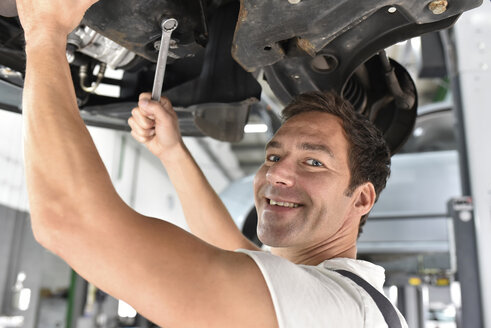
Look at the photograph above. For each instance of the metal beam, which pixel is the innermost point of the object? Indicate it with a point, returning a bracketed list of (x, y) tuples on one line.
[(461, 211)]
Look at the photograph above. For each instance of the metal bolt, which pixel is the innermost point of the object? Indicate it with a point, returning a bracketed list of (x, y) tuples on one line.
[(438, 7), (465, 216), (169, 24), (294, 2), (172, 44), (392, 10)]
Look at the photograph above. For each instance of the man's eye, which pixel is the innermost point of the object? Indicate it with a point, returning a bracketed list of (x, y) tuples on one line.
[(313, 162), (272, 158)]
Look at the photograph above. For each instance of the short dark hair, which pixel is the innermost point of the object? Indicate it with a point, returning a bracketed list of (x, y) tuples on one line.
[(368, 153)]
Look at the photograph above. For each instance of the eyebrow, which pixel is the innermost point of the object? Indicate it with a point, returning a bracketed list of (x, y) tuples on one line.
[(304, 146), (316, 147), (273, 144)]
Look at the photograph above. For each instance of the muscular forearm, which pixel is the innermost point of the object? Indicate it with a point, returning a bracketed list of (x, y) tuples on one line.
[(155, 124), (205, 213), (62, 164)]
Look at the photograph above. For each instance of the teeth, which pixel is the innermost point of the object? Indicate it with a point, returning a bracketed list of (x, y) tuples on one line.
[(284, 204)]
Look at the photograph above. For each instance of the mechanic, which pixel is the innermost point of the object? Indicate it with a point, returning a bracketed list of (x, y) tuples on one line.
[(311, 193)]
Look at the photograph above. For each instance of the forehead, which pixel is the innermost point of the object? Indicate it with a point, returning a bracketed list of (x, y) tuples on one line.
[(315, 127)]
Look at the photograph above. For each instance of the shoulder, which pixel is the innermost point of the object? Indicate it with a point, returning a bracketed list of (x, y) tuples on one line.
[(310, 296), (372, 273), (318, 296), (370, 290)]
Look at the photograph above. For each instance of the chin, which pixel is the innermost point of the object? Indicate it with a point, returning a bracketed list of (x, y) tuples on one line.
[(276, 239)]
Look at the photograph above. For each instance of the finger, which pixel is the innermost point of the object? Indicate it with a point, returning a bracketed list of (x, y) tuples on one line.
[(167, 105), (149, 107), (141, 119), (145, 95), (148, 96), (155, 110), (139, 130), (140, 138), (143, 98), (165, 102)]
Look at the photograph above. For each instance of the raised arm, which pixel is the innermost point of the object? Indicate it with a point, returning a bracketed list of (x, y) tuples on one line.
[(168, 275), (205, 213)]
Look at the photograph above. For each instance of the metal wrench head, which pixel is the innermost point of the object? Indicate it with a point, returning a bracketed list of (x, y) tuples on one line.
[(169, 25)]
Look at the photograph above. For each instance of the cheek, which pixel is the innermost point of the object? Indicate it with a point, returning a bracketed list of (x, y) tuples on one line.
[(259, 177), (327, 195), (317, 186), (259, 180)]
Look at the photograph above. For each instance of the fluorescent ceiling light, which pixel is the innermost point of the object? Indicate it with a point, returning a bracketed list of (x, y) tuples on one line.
[(255, 128)]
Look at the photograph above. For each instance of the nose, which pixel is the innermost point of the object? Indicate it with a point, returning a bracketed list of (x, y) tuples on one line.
[(281, 173)]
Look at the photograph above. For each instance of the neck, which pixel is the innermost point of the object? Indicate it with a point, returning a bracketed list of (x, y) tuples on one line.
[(341, 244)]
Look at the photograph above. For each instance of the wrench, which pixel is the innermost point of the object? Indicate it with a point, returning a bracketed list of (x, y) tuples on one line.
[(168, 25)]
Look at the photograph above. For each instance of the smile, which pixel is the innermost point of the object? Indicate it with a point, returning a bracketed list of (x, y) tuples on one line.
[(283, 204)]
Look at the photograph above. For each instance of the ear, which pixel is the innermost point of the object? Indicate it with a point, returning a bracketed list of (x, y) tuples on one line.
[(365, 198)]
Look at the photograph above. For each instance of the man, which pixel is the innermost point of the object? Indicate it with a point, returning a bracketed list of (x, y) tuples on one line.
[(322, 173), (309, 209)]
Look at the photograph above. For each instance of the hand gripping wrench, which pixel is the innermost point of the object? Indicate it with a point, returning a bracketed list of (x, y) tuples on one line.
[(168, 25)]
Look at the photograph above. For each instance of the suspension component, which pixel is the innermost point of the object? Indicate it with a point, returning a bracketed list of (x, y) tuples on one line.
[(402, 99)]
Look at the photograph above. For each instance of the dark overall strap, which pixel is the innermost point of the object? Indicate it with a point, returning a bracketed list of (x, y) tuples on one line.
[(384, 305)]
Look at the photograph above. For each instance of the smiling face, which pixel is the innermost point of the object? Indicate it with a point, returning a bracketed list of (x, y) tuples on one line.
[(301, 189)]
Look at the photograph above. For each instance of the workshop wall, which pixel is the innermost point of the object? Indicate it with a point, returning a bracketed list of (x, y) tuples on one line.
[(137, 175), (142, 181), (12, 182)]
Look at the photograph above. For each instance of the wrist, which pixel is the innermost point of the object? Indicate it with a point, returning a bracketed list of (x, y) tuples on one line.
[(175, 155), (45, 39)]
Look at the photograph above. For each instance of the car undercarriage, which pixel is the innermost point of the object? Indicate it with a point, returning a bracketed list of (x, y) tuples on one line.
[(224, 53)]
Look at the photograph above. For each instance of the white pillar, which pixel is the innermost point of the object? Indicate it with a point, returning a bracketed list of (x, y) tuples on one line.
[(473, 44)]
